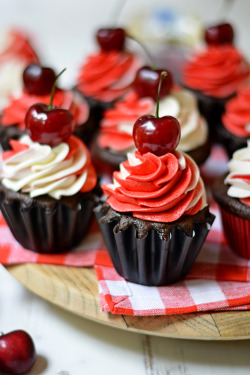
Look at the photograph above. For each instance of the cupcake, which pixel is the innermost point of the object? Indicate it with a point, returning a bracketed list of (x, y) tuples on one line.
[(215, 73), (37, 85), (156, 217), (47, 190), (106, 75), (15, 53), (234, 129), (115, 135), (232, 193)]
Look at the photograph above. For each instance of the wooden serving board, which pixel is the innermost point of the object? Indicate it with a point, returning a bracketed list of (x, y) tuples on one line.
[(76, 290)]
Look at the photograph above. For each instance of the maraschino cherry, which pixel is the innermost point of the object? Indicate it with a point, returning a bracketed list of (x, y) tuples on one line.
[(38, 80), (48, 124), (158, 135), (110, 39), (219, 34), (147, 80)]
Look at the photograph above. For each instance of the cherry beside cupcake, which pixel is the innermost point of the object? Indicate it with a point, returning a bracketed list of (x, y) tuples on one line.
[(47, 190), (156, 217), (37, 84), (215, 73), (115, 134)]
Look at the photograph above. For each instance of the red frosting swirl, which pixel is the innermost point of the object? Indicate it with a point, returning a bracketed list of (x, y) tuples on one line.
[(160, 189), (237, 114), (108, 74), (14, 113), (218, 71), (18, 47), (113, 134)]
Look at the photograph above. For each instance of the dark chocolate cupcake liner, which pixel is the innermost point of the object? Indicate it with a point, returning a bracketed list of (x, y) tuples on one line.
[(230, 141), (46, 228), (7, 133), (152, 260)]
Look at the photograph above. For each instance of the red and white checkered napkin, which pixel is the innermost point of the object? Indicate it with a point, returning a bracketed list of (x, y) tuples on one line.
[(218, 280)]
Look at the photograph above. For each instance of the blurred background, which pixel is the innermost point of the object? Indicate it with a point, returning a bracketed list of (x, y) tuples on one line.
[(63, 30)]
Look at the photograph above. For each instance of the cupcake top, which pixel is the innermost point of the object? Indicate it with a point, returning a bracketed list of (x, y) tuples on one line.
[(239, 176), (14, 113), (35, 169), (117, 124), (236, 118), (15, 53), (217, 71), (157, 188)]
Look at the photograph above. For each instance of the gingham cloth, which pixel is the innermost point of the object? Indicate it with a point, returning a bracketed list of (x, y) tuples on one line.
[(218, 280)]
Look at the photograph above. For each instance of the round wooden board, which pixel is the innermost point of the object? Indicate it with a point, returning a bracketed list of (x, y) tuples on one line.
[(76, 290)]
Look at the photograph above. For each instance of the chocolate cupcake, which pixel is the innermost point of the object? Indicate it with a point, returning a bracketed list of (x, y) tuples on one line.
[(232, 193)]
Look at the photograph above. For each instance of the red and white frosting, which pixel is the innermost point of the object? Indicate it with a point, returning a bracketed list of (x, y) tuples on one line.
[(237, 114), (216, 71), (14, 113), (107, 75), (239, 176), (117, 124), (160, 189), (15, 54), (35, 169)]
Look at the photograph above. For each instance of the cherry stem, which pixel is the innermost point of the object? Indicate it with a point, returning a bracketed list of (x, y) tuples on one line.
[(117, 9), (53, 88), (163, 75), (146, 51)]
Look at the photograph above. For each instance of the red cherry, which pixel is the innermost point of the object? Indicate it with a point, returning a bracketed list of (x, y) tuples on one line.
[(147, 80), (111, 38), (38, 80), (17, 352), (156, 135), (48, 126), (219, 34)]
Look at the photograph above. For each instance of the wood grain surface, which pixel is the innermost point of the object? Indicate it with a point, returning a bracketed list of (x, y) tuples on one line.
[(76, 290)]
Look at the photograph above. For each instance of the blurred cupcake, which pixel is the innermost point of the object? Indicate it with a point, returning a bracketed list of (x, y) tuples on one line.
[(232, 193), (215, 73), (37, 87), (106, 75), (234, 130)]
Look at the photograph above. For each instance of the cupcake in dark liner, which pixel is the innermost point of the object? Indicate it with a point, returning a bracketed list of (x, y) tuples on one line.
[(234, 129), (47, 193), (232, 193)]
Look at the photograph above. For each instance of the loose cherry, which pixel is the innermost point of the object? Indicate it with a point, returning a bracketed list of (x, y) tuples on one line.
[(38, 80), (147, 81), (111, 38), (219, 34), (158, 135), (17, 352), (49, 125)]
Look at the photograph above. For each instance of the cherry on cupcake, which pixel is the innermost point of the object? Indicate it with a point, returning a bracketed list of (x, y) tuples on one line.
[(158, 135), (48, 124), (17, 352), (110, 39), (38, 80), (219, 34), (146, 82)]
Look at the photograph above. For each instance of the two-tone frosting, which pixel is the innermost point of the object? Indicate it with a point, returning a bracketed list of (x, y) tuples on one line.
[(239, 176), (117, 124), (36, 169), (216, 71), (14, 113), (107, 75), (236, 118), (157, 188), (15, 54)]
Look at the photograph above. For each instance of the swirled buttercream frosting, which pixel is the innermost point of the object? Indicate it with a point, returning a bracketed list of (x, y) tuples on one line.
[(239, 176), (216, 71), (14, 113), (160, 189), (35, 169), (107, 75)]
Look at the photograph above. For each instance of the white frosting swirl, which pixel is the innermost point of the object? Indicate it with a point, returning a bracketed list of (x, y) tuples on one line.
[(239, 176), (41, 169)]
